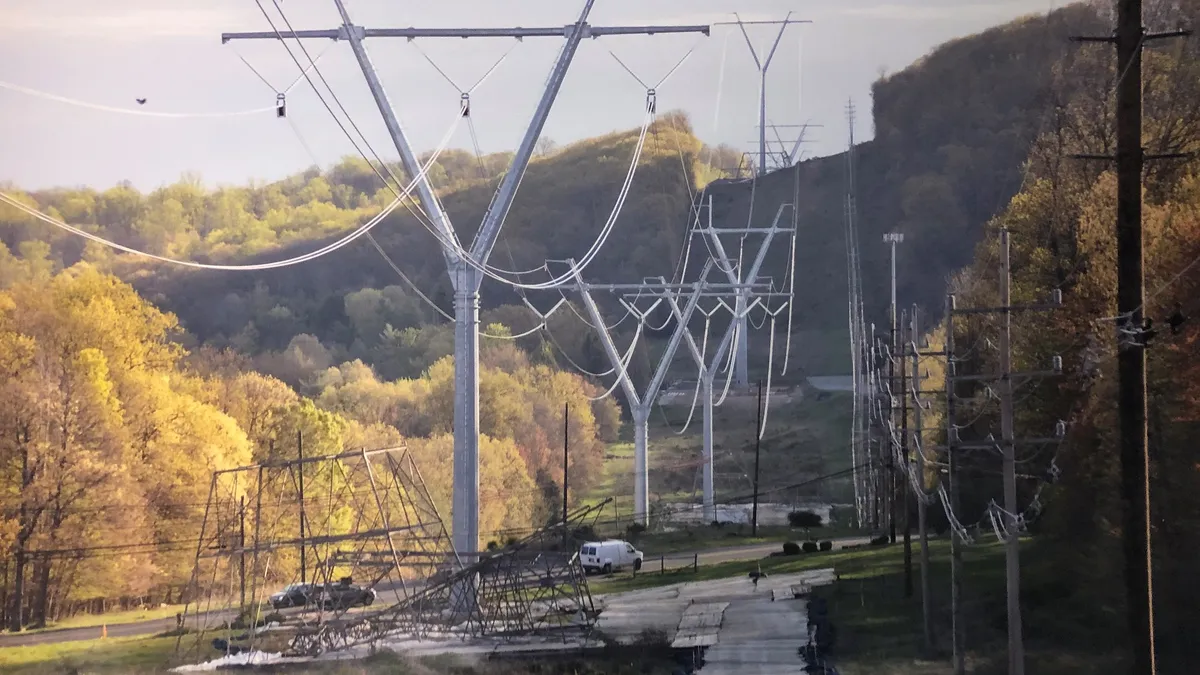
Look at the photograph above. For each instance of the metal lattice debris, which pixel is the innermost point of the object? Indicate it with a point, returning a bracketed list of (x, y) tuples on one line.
[(365, 536), (373, 562)]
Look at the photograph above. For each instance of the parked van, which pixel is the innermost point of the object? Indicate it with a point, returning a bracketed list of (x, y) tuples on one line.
[(610, 555)]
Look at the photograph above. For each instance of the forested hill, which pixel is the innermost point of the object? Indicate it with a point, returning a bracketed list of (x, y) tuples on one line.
[(952, 132), (566, 197)]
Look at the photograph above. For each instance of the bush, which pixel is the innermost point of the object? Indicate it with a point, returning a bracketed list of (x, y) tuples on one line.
[(881, 540), (804, 519), (810, 547), (791, 548), (633, 530), (826, 546)]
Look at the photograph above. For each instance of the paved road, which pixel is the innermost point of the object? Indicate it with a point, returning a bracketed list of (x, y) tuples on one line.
[(155, 626)]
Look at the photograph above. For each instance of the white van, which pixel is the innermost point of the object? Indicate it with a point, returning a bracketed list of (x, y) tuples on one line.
[(609, 555)]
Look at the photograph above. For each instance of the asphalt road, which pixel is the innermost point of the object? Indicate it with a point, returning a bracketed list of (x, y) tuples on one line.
[(154, 626)]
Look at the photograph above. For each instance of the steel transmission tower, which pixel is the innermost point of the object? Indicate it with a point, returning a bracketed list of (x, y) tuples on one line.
[(745, 290), (465, 266), (763, 64)]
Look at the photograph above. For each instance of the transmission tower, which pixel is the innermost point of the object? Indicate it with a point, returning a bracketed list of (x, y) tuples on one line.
[(763, 63), (466, 266), (747, 294)]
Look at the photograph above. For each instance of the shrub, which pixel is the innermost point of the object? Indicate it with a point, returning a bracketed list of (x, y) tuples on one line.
[(634, 529), (586, 533), (810, 547), (881, 540), (791, 548), (804, 519), (826, 546)]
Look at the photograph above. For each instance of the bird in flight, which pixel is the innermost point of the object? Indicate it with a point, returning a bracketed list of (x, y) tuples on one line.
[(141, 101)]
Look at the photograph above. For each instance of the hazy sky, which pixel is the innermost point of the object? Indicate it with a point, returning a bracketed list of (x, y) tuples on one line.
[(169, 51)]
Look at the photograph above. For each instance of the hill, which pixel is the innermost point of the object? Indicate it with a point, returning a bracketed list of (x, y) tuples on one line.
[(952, 133)]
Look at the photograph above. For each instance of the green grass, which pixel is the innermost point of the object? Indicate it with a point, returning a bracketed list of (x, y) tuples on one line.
[(804, 439), (114, 655), (112, 618), (880, 630), (850, 564), (706, 537)]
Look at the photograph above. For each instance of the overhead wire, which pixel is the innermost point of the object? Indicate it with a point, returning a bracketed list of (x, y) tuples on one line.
[(312, 255), (29, 91)]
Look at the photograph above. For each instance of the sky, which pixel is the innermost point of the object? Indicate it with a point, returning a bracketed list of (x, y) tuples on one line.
[(169, 52)]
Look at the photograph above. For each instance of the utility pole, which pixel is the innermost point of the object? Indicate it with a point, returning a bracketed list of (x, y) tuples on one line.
[(1130, 38), (1131, 358), (566, 440), (922, 531), (875, 479), (757, 445), (1007, 444), (892, 238), (1012, 559), (300, 469), (464, 264), (242, 551), (956, 570), (908, 562)]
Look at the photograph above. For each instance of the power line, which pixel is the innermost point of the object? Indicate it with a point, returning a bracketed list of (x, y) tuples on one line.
[(129, 111)]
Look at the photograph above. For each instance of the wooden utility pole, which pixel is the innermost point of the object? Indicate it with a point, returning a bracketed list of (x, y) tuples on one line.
[(1007, 443), (566, 439), (907, 492), (1131, 357), (300, 469), (893, 497), (922, 521), (1012, 558), (956, 543), (242, 551), (1130, 39), (757, 444)]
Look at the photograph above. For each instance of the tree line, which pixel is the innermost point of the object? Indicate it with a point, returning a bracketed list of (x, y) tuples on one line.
[(110, 429), (1063, 235)]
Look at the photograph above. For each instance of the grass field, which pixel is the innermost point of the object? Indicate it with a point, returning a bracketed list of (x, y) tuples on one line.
[(804, 439), (705, 537), (116, 656), (880, 630), (97, 620)]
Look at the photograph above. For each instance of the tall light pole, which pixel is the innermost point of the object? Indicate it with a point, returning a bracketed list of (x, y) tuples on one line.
[(892, 238)]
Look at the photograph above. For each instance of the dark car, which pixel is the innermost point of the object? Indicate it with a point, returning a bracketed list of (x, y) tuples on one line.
[(344, 594), (294, 595)]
